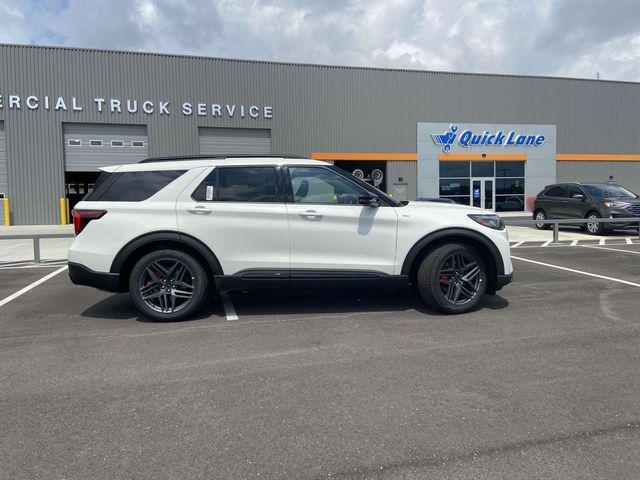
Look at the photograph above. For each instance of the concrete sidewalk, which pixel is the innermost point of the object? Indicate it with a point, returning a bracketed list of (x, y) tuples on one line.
[(21, 250)]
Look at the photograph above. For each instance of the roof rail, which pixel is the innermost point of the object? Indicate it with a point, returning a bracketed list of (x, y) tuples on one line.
[(214, 157)]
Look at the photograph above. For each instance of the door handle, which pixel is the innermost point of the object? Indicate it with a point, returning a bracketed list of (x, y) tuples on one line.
[(311, 214), (200, 210)]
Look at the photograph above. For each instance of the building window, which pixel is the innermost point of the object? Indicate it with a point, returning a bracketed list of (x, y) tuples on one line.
[(455, 180), (137, 143), (509, 203), (510, 169), (509, 186), (117, 143), (454, 187), (482, 169), (74, 142), (454, 169), (95, 143)]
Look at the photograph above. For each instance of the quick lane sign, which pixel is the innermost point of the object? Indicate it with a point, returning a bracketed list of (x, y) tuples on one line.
[(469, 138), (133, 106)]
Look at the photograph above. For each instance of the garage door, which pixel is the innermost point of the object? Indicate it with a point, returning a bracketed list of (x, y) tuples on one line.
[(4, 183), (238, 141), (88, 146)]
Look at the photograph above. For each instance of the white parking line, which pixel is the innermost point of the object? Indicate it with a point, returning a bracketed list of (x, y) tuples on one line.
[(546, 244), (578, 271), (574, 243), (611, 249), (229, 310), (628, 240), (32, 286), (601, 242), (516, 245)]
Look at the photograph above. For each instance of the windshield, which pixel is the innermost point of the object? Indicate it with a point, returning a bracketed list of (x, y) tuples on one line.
[(606, 191)]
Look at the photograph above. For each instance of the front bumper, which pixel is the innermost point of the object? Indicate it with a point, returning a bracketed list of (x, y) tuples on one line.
[(622, 215), (81, 275), (503, 280)]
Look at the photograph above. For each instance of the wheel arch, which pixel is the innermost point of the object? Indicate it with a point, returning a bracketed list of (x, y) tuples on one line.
[(470, 237), (540, 209), (592, 210), (139, 246)]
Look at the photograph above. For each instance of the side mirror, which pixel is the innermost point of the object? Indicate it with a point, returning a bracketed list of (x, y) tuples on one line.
[(370, 200)]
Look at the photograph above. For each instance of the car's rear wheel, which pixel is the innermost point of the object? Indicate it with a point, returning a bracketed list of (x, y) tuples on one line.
[(594, 227), (452, 278), (168, 285), (540, 215)]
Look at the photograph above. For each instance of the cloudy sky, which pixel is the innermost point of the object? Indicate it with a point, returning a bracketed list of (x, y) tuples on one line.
[(576, 38)]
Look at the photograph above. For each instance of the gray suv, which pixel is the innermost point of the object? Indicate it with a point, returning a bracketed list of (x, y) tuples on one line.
[(587, 200)]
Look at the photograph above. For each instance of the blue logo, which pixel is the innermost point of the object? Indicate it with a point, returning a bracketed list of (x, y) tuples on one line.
[(445, 139), (485, 139)]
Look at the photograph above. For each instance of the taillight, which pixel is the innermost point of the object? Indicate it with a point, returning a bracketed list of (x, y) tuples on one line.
[(81, 218)]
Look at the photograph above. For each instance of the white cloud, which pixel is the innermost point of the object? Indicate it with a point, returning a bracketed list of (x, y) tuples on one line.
[(538, 37)]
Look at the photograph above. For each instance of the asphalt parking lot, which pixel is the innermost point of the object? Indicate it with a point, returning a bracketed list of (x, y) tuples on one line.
[(541, 382)]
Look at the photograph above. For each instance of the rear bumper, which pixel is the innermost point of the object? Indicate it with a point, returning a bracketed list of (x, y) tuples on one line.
[(503, 280), (81, 275)]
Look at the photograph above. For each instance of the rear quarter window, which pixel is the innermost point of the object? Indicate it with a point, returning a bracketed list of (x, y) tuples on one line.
[(133, 186)]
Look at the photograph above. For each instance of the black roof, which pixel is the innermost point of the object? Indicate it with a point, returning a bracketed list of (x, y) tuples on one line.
[(214, 157)]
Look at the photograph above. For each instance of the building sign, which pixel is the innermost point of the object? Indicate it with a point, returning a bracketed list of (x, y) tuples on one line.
[(469, 138), (134, 106)]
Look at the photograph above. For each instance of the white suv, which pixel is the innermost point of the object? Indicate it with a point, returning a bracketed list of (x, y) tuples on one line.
[(168, 229)]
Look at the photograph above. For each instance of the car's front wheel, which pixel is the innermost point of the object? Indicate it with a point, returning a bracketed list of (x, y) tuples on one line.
[(168, 285), (594, 227), (452, 278)]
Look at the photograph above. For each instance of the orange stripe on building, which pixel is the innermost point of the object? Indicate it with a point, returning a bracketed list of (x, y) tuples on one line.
[(595, 157), (363, 156)]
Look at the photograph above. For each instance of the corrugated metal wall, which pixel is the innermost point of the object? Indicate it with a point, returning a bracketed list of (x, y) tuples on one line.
[(87, 158), (315, 108), (400, 173), (220, 141), (3, 171), (625, 173)]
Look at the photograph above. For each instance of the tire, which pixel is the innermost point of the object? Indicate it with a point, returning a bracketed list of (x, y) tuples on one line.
[(184, 281), (436, 269), (594, 228), (541, 215)]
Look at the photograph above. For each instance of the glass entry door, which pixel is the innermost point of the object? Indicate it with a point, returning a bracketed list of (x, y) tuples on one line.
[(482, 193)]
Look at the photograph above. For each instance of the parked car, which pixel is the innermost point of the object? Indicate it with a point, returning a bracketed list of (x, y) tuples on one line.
[(168, 229), (435, 200), (587, 200)]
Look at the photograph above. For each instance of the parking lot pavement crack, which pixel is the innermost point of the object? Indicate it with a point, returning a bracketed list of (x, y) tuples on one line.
[(395, 470)]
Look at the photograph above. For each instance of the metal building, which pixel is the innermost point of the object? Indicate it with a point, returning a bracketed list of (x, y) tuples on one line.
[(486, 140)]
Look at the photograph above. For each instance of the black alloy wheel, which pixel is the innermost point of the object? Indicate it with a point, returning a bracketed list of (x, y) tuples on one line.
[(453, 278), (168, 285)]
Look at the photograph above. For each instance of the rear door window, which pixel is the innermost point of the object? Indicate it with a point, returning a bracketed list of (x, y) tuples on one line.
[(558, 192), (238, 184), (133, 186)]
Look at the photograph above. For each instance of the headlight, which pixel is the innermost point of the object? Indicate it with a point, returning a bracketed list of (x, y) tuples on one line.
[(491, 221), (610, 204)]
